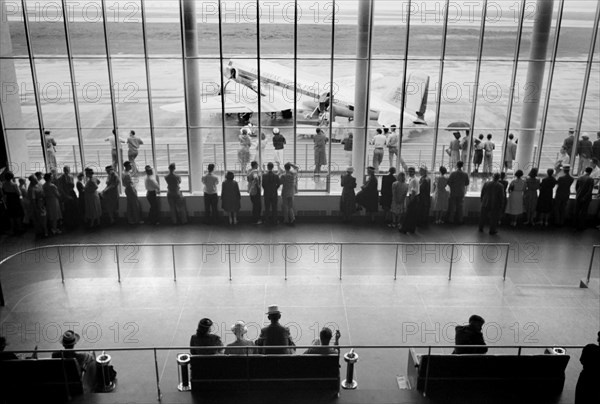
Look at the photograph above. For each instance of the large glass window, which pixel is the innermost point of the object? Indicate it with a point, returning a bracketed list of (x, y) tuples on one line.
[(251, 55)]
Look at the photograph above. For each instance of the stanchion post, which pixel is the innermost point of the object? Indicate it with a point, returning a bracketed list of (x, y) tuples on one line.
[(589, 275), (173, 256), (104, 361), (183, 360), (341, 255), (285, 262), (157, 377), (396, 264), (451, 261), (118, 263), (427, 372), (62, 273), (229, 259), (350, 358), (506, 262)]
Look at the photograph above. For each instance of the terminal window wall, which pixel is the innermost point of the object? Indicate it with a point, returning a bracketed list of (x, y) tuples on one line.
[(121, 63)]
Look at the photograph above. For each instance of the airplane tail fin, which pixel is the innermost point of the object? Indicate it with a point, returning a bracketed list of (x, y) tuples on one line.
[(417, 90)]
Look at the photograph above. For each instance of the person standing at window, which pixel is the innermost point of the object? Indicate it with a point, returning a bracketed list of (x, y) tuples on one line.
[(133, 146), (152, 192), (134, 210), (175, 197), (278, 144), (211, 198), (320, 141)]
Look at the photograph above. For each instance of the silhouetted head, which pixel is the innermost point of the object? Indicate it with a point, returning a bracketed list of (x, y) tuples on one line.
[(269, 166), (229, 176), (204, 326), (443, 170), (211, 167), (254, 164), (325, 336), (172, 167), (459, 164), (496, 176), (476, 321), (519, 173)]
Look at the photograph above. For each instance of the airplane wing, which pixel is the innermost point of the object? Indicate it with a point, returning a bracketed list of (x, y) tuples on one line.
[(240, 98)]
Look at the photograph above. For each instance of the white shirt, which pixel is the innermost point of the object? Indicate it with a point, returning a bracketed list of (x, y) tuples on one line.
[(379, 141)]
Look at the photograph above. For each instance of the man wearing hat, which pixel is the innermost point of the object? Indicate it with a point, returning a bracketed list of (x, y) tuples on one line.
[(203, 337), (470, 335), (278, 144), (275, 335), (239, 329), (563, 193), (569, 141), (68, 341), (584, 151)]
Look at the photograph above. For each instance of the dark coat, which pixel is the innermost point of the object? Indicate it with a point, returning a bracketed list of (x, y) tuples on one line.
[(275, 335), (492, 196), (468, 335), (270, 183)]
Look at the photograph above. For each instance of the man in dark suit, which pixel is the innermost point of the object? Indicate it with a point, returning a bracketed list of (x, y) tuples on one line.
[(583, 188), (563, 193), (569, 141), (270, 183), (492, 201), (596, 147), (470, 335), (275, 335), (458, 183), (68, 341)]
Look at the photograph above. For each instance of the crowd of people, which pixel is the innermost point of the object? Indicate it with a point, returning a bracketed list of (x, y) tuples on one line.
[(408, 201), (51, 203)]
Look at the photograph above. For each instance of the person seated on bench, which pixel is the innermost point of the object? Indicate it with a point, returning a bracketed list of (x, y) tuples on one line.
[(68, 341), (322, 344), (587, 385), (203, 337), (5, 356), (275, 335), (470, 335), (239, 329)]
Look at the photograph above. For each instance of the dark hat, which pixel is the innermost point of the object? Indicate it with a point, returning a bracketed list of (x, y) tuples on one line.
[(205, 323), (476, 319), (69, 338)]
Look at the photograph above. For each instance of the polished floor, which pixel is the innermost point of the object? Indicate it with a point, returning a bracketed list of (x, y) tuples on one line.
[(539, 303)]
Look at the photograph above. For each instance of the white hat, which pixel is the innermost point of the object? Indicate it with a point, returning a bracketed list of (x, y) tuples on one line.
[(273, 309), (275, 131)]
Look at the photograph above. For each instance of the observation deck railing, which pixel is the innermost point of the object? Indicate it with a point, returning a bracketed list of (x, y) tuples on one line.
[(338, 253)]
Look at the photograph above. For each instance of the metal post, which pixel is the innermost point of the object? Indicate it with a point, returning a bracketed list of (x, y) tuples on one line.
[(471, 132), (396, 264), (173, 256), (118, 263), (75, 159), (586, 82), (148, 86), (62, 274), (36, 93), (229, 259), (438, 101), (519, 352), (589, 275), (506, 262), (350, 358), (73, 87), (451, 261), (513, 79), (428, 367), (285, 261), (157, 377), (342, 253)]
